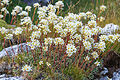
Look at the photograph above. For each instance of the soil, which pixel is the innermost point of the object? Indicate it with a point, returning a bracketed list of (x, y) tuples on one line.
[(111, 62)]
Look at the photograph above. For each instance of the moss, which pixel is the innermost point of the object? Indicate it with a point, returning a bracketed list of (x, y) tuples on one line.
[(4, 24), (74, 72)]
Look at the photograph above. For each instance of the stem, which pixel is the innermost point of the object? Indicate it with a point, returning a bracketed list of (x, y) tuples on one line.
[(47, 52), (33, 56), (58, 11), (4, 16), (5, 49), (61, 60), (84, 66), (80, 56), (18, 44), (76, 56), (11, 47), (93, 67), (109, 49), (34, 14), (15, 19), (82, 63), (12, 20)]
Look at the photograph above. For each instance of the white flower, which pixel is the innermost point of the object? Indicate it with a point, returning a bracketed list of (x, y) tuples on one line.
[(93, 17), (26, 21), (101, 46), (58, 41), (5, 2), (87, 45), (3, 30), (92, 23), (18, 31), (36, 34), (13, 13), (41, 62), (88, 14), (70, 49), (82, 15), (5, 10), (101, 19), (59, 4), (44, 21), (118, 39), (95, 55), (9, 36), (48, 41), (97, 63), (103, 38), (45, 48), (36, 4), (102, 8), (27, 68), (48, 64), (18, 9), (1, 16), (28, 8), (87, 58), (23, 13)]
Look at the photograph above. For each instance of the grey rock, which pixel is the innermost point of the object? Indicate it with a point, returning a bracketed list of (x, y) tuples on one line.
[(31, 2), (12, 78), (14, 50), (3, 75), (116, 75), (104, 78), (104, 71)]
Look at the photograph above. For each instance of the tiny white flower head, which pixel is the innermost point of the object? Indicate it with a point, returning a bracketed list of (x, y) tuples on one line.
[(70, 49), (1, 16), (102, 8), (97, 63), (101, 19), (45, 48), (87, 58), (27, 68), (5, 2), (13, 13), (36, 4), (118, 39), (92, 23), (41, 62), (9, 36), (59, 4), (28, 8), (18, 9), (95, 55), (23, 13), (48, 64)]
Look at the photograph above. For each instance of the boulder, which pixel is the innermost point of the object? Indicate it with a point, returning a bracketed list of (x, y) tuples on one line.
[(14, 50)]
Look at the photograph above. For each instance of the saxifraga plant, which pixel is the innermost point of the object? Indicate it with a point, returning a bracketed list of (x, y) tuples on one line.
[(58, 42)]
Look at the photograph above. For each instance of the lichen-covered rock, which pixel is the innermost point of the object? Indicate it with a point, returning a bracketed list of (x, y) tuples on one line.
[(10, 78), (43, 2), (14, 50)]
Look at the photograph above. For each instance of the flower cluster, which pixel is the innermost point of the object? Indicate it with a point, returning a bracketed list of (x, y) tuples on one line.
[(102, 8), (72, 33), (27, 68), (34, 44), (9, 36), (70, 49), (18, 31), (58, 41), (47, 63)]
